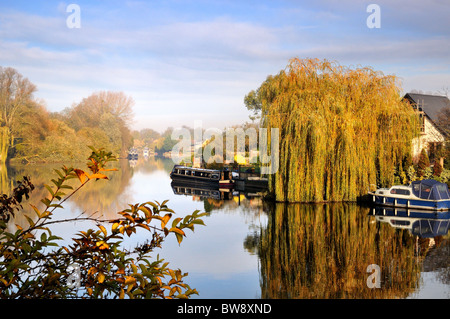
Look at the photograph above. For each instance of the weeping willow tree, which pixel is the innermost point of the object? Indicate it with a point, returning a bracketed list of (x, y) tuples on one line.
[(341, 129)]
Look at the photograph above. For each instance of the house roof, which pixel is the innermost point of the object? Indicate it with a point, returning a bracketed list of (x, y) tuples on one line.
[(432, 105)]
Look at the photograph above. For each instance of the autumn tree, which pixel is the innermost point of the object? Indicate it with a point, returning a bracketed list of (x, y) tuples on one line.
[(33, 127), (146, 137), (437, 169), (165, 143), (340, 129), (29, 133), (16, 92), (91, 108), (443, 121), (110, 111), (252, 102), (423, 163), (444, 125)]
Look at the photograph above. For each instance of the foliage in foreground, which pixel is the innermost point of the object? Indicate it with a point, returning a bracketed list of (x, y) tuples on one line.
[(94, 265)]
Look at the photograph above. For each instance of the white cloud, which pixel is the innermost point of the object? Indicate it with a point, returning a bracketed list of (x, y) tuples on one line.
[(206, 66)]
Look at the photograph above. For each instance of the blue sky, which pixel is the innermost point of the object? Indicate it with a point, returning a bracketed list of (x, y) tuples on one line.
[(186, 61)]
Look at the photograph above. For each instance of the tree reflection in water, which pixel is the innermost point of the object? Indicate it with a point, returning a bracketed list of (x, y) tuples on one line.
[(304, 250), (323, 251), (101, 197)]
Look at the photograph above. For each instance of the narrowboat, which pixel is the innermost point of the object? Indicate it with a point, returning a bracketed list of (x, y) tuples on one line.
[(202, 176), (427, 194)]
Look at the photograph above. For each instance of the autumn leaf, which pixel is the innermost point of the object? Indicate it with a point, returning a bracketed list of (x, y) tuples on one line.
[(98, 176), (114, 226), (82, 176), (129, 280), (165, 220), (177, 230), (101, 278), (103, 229), (102, 245)]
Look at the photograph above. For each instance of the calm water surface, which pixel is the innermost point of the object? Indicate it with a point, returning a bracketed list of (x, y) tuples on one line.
[(251, 249)]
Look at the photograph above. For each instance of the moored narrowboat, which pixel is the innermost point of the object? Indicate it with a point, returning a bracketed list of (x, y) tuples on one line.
[(426, 194), (202, 175)]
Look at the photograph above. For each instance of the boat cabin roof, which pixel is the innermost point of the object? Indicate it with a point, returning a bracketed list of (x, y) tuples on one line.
[(195, 169), (430, 189), (399, 187)]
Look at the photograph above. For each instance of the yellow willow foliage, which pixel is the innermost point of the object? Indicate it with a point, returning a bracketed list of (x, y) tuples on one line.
[(341, 130)]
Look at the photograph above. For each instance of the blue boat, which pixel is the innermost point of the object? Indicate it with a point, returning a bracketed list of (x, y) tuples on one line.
[(427, 194)]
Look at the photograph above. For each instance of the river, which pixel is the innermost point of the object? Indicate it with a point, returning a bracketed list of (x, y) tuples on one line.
[(253, 249)]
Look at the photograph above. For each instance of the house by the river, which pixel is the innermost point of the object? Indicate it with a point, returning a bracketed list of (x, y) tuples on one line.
[(430, 108)]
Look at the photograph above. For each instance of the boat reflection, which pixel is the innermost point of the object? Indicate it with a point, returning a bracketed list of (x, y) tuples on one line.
[(213, 191), (202, 191), (418, 223)]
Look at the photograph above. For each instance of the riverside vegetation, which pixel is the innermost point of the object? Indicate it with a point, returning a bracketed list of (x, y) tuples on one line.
[(342, 130), (29, 133), (33, 265)]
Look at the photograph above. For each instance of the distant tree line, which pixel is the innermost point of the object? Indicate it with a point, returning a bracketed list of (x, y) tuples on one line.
[(30, 133), (160, 143)]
